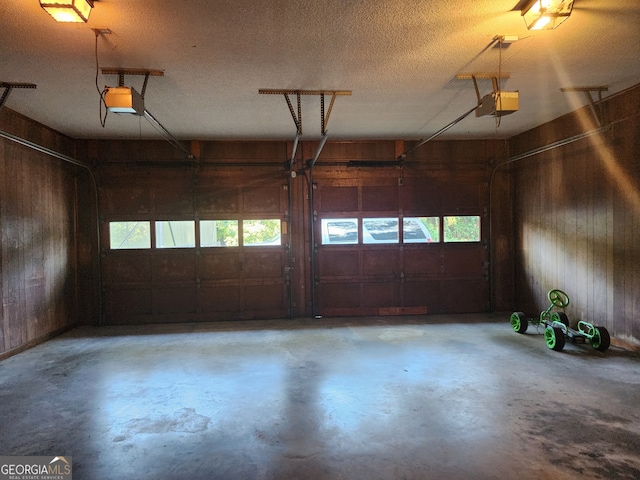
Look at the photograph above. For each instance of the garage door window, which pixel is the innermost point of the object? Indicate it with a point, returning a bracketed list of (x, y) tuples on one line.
[(258, 233), (380, 230), (421, 229), (129, 235), (175, 234), (339, 231), (462, 229), (218, 233)]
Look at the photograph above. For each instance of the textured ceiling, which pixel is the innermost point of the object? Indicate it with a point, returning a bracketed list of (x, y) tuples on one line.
[(400, 59)]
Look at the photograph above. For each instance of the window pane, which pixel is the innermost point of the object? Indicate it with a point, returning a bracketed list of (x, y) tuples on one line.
[(175, 234), (421, 229), (218, 233), (380, 230), (462, 229), (261, 232), (129, 235), (339, 231)]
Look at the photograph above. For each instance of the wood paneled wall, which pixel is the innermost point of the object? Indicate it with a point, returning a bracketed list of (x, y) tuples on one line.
[(577, 217), (48, 281)]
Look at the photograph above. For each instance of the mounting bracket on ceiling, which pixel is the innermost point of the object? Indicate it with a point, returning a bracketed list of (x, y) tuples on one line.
[(497, 103), (599, 114), (121, 72), (8, 86), (297, 119)]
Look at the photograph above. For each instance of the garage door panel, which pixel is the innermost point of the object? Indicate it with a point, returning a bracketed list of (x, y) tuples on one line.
[(127, 268), (264, 297), (380, 262), (422, 293), (175, 300), (338, 295), (174, 266), (218, 266), (383, 294), (340, 263), (467, 260), (129, 300), (422, 261), (219, 298), (263, 265)]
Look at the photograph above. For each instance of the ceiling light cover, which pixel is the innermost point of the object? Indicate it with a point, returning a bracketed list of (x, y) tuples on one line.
[(546, 14), (75, 11)]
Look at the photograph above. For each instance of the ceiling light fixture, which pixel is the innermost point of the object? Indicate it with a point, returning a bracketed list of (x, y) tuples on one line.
[(546, 14), (68, 11)]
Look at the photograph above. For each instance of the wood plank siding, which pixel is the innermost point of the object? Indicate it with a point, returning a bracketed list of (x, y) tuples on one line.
[(47, 220), (577, 211)]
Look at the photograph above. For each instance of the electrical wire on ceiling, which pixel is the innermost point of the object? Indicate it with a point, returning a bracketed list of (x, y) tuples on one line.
[(498, 117), (103, 119)]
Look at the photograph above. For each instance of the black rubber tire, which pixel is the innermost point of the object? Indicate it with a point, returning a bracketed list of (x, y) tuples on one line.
[(560, 317), (554, 338), (519, 322), (602, 340)]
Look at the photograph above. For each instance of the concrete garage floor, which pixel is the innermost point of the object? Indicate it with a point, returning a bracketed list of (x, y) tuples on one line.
[(375, 398)]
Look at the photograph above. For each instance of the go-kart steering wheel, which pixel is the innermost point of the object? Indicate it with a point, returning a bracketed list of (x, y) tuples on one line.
[(558, 298)]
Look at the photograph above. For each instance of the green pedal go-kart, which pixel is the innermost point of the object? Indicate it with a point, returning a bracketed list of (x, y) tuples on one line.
[(556, 325)]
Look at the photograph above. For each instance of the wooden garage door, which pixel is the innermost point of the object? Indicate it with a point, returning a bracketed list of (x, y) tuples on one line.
[(357, 274), (201, 280)]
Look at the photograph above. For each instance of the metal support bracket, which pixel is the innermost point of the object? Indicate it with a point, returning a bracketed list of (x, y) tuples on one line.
[(494, 77), (599, 113), (8, 86), (121, 72), (297, 119)]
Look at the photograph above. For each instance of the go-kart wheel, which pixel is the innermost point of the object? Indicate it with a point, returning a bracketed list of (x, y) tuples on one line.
[(554, 338), (519, 322), (601, 340), (560, 317), (558, 298)]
